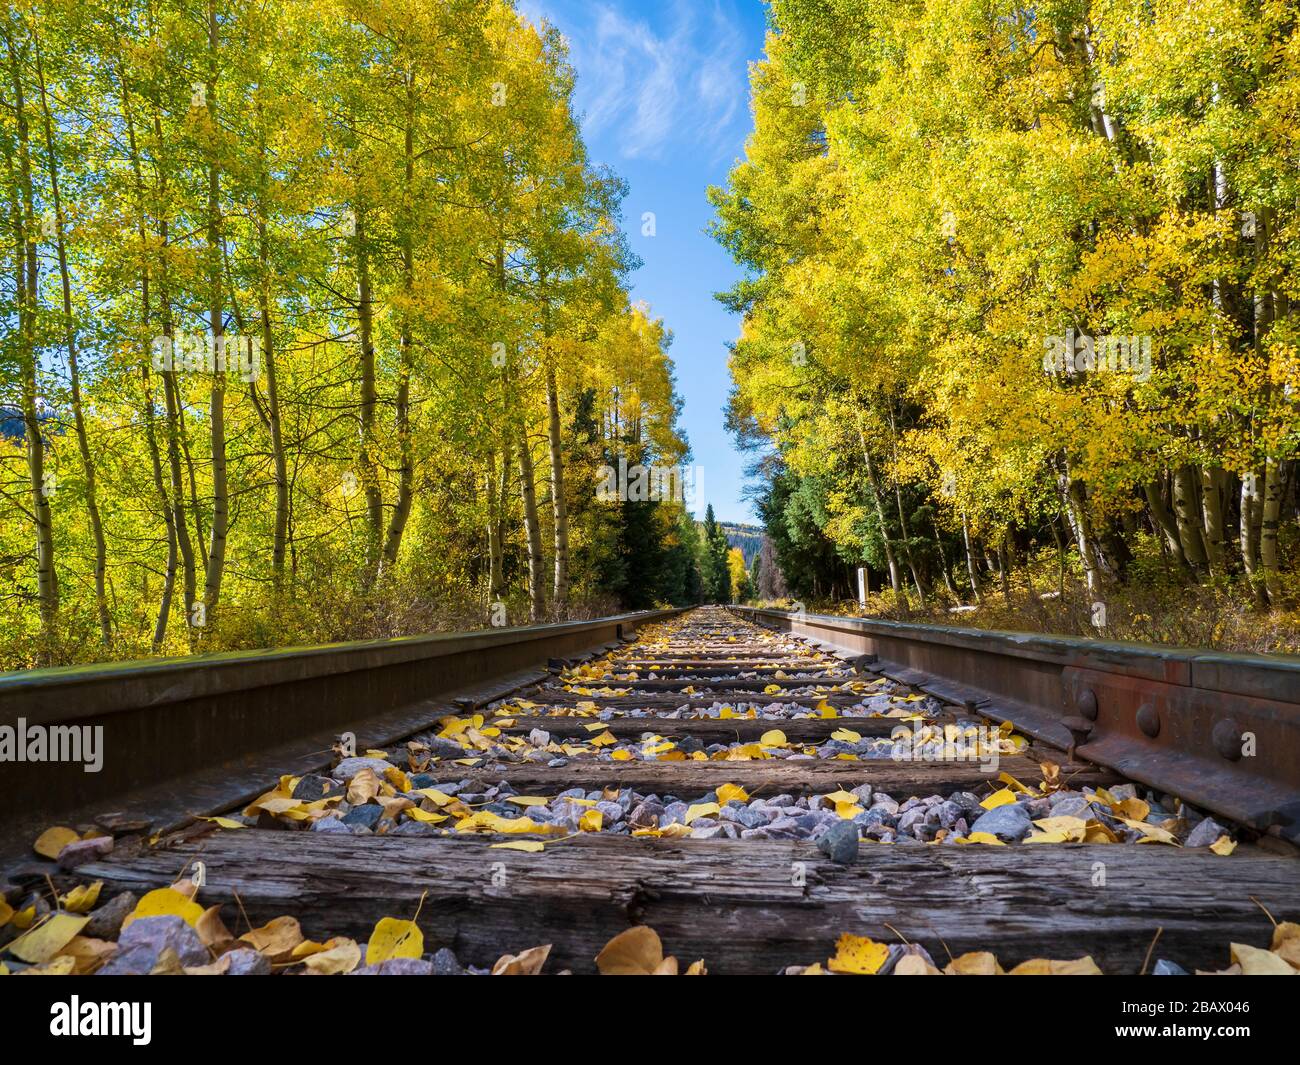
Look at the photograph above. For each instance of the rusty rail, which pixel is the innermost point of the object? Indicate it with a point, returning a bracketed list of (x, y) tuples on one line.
[(213, 724), (1219, 730)]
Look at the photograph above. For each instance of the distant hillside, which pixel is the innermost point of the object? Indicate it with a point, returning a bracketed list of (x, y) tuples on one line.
[(749, 538)]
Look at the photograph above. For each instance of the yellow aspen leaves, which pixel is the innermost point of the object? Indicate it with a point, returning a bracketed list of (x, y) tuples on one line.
[(859, 955), (394, 938)]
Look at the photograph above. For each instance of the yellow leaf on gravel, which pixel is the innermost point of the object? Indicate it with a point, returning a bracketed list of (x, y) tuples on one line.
[(701, 809), (842, 796), (61, 966), (846, 735), (224, 822), (986, 838), (276, 939), (341, 955), (1257, 962), (487, 821), (622, 755), (435, 796), (394, 938), (166, 902), (530, 846), (774, 738), (636, 952), (363, 787), (915, 965), (1134, 808), (82, 898), (604, 739), (596, 726), (1084, 966), (1224, 845), (858, 954), (1051, 836), (591, 821), (999, 798), (87, 954), (6, 912), (53, 840), (771, 689), (525, 963), (1151, 833), (424, 815), (1072, 829), (397, 778), (732, 793), (43, 941), (824, 709), (976, 963), (1012, 783), (212, 929), (528, 800)]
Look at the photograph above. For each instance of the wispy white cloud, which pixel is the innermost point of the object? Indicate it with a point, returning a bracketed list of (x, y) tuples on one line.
[(672, 77)]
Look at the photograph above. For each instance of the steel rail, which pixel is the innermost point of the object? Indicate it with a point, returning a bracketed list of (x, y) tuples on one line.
[(225, 717), (1222, 731)]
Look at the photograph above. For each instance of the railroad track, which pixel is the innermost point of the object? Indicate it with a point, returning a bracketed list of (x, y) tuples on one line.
[(751, 796)]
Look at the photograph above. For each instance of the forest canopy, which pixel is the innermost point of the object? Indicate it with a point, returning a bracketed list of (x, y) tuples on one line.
[(315, 324), (1019, 274)]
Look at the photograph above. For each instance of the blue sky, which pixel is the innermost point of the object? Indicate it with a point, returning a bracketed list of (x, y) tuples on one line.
[(663, 91)]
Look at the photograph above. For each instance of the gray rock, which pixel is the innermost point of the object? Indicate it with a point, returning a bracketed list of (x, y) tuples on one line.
[(1009, 823), (332, 824), (106, 922), (81, 851), (949, 813), (413, 828), (1037, 808), (350, 767), (133, 961), (445, 963), (1165, 967), (1072, 806), (969, 803), (313, 787), (1205, 833), (712, 831), (908, 821), (144, 939), (645, 815), (366, 816), (245, 962), (840, 842), (879, 815), (611, 812), (441, 747), (673, 812), (396, 967)]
